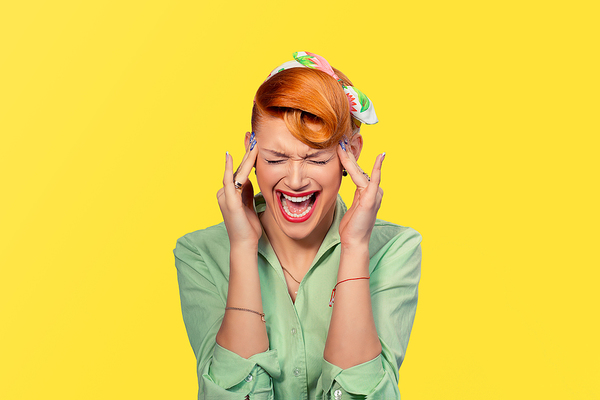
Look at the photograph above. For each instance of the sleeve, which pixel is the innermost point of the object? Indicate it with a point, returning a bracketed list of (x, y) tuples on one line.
[(396, 271), (222, 374)]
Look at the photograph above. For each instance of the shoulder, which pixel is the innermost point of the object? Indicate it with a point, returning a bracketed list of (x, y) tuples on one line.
[(395, 252), (389, 235), (208, 246), (207, 239)]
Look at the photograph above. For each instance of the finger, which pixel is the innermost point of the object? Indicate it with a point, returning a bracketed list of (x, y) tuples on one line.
[(247, 164), (376, 173), (245, 154), (228, 176), (221, 198), (356, 173), (248, 195)]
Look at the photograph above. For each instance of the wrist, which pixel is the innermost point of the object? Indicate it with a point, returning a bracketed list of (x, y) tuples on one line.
[(355, 247), (243, 253), (243, 246), (354, 261)]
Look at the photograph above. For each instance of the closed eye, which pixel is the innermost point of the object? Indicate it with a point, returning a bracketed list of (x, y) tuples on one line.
[(317, 162)]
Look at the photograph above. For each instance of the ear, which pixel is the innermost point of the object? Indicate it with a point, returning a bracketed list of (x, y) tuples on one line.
[(356, 145), (247, 145), (247, 140)]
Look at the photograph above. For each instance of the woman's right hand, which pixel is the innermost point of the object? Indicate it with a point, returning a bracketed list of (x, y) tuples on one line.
[(237, 205)]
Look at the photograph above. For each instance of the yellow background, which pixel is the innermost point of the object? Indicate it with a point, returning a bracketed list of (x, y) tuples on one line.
[(115, 118)]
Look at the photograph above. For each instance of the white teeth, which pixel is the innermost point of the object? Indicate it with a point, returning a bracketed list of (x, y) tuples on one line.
[(287, 211), (297, 199)]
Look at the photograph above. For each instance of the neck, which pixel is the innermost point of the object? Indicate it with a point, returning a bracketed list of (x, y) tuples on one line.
[(296, 255)]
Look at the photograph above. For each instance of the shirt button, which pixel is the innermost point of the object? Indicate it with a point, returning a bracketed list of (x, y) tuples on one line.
[(337, 394), (293, 331), (296, 372), (249, 378)]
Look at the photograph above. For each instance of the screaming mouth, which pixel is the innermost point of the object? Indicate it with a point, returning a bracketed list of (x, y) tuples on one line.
[(297, 207)]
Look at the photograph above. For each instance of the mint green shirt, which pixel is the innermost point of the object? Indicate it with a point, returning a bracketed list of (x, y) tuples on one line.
[(293, 367)]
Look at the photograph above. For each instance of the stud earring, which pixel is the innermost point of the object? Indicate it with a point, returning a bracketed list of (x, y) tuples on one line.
[(344, 172)]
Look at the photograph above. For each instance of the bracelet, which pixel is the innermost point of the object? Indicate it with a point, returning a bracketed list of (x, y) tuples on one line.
[(262, 315), (345, 280)]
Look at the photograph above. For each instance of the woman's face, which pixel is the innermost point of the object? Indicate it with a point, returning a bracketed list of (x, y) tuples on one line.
[(299, 183)]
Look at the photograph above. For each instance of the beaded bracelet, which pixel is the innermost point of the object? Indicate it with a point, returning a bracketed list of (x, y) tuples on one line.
[(262, 315), (345, 280)]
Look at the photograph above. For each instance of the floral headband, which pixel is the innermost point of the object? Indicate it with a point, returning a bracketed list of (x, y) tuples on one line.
[(365, 113)]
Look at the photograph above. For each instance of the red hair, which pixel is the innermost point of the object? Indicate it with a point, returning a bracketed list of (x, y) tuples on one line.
[(312, 104)]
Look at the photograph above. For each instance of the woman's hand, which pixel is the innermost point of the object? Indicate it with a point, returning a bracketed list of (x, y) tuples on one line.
[(237, 205), (357, 224)]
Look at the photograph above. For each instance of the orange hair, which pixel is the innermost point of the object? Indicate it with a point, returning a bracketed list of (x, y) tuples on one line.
[(312, 104)]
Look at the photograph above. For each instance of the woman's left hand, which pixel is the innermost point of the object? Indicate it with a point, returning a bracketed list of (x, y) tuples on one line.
[(357, 224)]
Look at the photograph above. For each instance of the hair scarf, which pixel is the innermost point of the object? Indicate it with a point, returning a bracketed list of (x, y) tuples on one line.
[(363, 111)]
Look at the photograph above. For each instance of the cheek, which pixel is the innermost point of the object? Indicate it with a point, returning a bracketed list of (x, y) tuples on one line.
[(268, 175), (330, 175)]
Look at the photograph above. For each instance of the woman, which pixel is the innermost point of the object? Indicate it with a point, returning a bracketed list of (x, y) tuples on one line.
[(294, 296)]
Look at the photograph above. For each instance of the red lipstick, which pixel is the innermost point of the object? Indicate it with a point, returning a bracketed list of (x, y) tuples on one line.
[(304, 217)]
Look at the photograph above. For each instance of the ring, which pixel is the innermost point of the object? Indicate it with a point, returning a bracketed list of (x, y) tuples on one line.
[(237, 185), (366, 176)]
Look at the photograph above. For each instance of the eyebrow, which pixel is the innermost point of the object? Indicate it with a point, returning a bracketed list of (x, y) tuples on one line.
[(310, 155)]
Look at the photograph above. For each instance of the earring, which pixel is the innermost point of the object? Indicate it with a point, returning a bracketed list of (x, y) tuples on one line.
[(344, 172)]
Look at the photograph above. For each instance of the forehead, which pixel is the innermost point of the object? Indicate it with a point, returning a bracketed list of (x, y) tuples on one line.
[(273, 134)]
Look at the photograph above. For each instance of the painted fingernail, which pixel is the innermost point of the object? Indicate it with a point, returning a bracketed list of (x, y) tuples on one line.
[(345, 140), (252, 145), (383, 157), (252, 137), (226, 155), (342, 145)]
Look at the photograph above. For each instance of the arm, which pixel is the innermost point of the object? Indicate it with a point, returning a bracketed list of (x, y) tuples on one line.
[(354, 345), (395, 275), (242, 332), (222, 374), (239, 362), (352, 338)]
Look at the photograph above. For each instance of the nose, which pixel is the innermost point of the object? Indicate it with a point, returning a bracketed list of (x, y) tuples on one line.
[(297, 177)]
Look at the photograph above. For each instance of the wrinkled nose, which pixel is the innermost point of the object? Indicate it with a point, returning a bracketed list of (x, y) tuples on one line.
[(297, 177)]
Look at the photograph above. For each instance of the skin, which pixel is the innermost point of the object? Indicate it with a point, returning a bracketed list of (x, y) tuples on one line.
[(283, 163)]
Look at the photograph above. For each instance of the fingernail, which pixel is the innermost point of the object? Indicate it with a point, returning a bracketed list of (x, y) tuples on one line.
[(252, 137), (383, 157), (252, 145), (342, 144), (345, 140), (226, 155)]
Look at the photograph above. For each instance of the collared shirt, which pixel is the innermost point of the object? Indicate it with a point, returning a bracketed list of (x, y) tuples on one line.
[(293, 367)]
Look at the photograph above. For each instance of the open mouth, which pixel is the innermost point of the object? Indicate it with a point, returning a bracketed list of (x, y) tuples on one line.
[(297, 207)]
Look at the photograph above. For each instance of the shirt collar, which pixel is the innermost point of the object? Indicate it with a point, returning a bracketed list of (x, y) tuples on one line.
[(331, 239)]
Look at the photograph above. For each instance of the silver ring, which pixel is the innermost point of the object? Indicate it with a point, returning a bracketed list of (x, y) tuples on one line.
[(237, 185)]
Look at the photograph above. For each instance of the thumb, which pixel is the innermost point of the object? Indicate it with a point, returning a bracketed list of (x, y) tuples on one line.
[(248, 195)]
